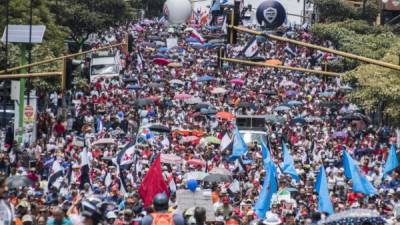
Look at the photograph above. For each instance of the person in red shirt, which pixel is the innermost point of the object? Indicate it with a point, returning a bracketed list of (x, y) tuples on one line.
[(353, 197), (59, 129)]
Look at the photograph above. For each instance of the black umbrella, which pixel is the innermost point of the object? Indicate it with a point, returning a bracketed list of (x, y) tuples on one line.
[(16, 182), (248, 105), (155, 85), (269, 93), (257, 59), (160, 128), (329, 104), (200, 106), (217, 178), (208, 111), (143, 102)]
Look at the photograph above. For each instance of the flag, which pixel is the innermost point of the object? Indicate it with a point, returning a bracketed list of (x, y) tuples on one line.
[(270, 186), (392, 162), (125, 156), (239, 147), (85, 177), (198, 36), (57, 171), (99, 124), (153, 183), (288, 163), (351, 171), (139, 61), (225, 142), (321, 187), (123, 159), (108, 180), (224, 27), (251, 48), (290, 51), (216, 6), (266, 155)]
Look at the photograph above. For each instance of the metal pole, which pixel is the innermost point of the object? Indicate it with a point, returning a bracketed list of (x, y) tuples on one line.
[(28, 85), (22, 96), (326, 73), (308, 45), (5, 82), (7, 21), (58, 58), (30, 75)]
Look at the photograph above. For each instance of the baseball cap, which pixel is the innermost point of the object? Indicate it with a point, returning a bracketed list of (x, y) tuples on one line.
[(111, 215), (27, 218)]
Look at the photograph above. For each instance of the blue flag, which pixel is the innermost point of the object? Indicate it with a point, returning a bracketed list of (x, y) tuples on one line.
[(266, 155), (321, 187), (270, 186), (288, 163), (216, 6), (392, 162), (360, 182), (239, 146)]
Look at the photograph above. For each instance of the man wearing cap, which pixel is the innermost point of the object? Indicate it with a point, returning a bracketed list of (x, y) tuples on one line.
[(58, 218), (226, 209)]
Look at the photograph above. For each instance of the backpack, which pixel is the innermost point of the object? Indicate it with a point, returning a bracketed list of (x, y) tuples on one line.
[(162, 219)]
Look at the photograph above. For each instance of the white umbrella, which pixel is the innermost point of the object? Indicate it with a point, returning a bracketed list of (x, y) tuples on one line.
[(193, 100), (219, 90)]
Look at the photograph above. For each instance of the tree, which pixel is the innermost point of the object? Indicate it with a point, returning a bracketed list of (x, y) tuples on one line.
[(357, 37), (378, 88), (84, 17), (53, 41), (339, 10), (154, 8)]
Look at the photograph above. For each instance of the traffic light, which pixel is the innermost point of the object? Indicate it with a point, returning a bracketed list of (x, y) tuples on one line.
[(221, 54), (69, 66), (233, 19), (130, 43)]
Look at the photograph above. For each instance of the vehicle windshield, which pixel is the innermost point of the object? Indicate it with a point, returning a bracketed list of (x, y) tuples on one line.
[(104, 69), (250, 137)]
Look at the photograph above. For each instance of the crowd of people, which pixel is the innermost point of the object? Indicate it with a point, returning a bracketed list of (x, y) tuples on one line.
[(181, 90)]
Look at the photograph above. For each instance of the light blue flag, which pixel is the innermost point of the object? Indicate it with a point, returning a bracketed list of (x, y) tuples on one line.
[(288, 163), (216, 6), (360, 182), (392, 162), (266, 155), (239, 146), (321, 187), (270, 186)]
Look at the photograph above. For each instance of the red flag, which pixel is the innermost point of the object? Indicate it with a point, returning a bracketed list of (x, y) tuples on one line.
[(153, 183)]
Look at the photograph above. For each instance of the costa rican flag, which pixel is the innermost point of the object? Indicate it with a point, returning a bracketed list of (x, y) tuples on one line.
[(198, 36)]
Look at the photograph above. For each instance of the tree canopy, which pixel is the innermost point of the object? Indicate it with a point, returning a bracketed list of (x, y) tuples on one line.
[(378, 88), (84, 17), (53, 43), (357, 37), (339, 10)]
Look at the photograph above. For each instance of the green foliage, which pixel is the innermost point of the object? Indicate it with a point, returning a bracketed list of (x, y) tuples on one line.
[(357, 37), (378, 86), (339, 10), (84, 17), (154, 8), (53, 44)]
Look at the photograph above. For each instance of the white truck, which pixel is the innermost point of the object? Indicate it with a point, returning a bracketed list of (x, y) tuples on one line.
[(105, 65)]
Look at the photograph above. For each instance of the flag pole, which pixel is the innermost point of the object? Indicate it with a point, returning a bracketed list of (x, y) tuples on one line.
[(333, 51)]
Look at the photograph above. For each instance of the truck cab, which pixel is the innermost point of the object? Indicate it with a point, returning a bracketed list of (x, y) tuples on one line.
[(105, 64), (252, 128)]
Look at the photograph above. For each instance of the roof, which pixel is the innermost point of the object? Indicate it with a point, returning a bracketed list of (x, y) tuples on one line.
[(104, 61)]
